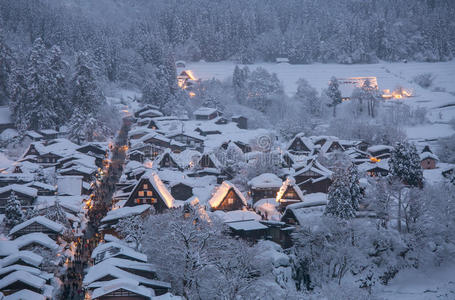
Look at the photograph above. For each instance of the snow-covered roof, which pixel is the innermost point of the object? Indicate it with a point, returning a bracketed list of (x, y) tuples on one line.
[(25, 294), (26, 256), (91, 279), (32, 192), (236, 215), (125, 212), (314, 166), (246, 225), (33, 134), (289, 182), (7, 247), (24, 277), (308, 210), (376, 148), (40, 220), (42, 185), (426, 154), (121, 249), (204, 111), (123, 283), (48, 131), (126, 263), (161, 189), (222, 191), (266, 180), (36, 237), (71, 203), (151, 113), (69, 185)]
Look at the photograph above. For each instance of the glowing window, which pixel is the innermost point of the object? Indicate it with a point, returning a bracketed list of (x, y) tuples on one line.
[(141, 193), (145, 186), (149, 193)]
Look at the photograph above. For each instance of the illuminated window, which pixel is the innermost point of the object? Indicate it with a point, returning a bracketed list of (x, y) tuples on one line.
[(145, 186), (230, 200), (138, 201), (141, 193), (149, 193), (153, 200)]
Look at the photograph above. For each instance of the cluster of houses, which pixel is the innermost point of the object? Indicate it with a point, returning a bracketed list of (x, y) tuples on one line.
[(121, 272), (53, 174), (173, 161)]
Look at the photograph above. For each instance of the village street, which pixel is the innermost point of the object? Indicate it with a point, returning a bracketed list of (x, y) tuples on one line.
[(102, 200)]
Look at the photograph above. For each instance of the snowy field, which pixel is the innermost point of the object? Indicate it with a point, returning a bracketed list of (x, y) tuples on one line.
[(440, 103)]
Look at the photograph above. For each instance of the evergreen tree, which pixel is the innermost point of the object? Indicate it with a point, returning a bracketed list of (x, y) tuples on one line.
[(85, 93), (38, 110), (57, 214), (13, 211), (6, 59), (56, 89), (239, 82), (308, 96), (405, 164), (352, 174), (340, 202), (333, 92), (262, 87)]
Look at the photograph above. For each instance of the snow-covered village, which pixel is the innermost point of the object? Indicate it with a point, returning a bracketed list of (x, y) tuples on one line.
[(232, 150)]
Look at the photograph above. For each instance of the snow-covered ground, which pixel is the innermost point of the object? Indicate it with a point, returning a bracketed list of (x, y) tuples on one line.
[(440, 104), (412, 284)]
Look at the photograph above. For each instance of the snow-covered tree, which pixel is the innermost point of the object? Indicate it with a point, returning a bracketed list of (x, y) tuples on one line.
[(308, 96), (57, 214), (239, 82), (262, 88), (355, 190), (340, 201), (405, 164), (333, 92), (85, 94), (6, 60), (13, 211), (132, 229)]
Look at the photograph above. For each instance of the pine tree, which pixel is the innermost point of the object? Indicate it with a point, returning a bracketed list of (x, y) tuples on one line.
[(85, 93), (239, 82), (56, 89), (339, 198), (13, 211), (57, 214), (352, 174), (405, 164), (6, 59), (333, 92), (308, 96)]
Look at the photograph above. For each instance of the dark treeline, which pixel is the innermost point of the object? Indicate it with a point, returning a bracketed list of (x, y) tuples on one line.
[(305, 31)]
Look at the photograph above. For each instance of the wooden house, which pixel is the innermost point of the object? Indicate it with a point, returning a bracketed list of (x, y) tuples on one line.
[(304, 212), (49, 134), (264, 186), (114, 216), (38, 224), (428, 160), (33, 136), (252, 230), (206, 113), (136, 155), (181, 190), (93, 149), (166, 160), (300, 145), (313, 177), (205, 131), (18, 281), (241, 121), (227, 197), (190, 140), (150, 113), (145, 108), (380, 151), (209, 161), (122, 289), (26, 195), (151, 190), (331, 146), (289, 193), (43, 189)]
